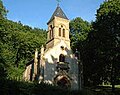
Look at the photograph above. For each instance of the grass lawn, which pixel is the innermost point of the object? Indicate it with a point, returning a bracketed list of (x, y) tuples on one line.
[(106, 90), (117, 86)]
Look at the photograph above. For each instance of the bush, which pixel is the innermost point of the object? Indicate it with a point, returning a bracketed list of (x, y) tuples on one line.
[(12, 87)]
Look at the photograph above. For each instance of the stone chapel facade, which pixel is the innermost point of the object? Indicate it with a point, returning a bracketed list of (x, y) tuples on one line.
[(56, 63)]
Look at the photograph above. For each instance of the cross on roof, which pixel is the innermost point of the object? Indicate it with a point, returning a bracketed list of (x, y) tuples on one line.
[(58, 1)]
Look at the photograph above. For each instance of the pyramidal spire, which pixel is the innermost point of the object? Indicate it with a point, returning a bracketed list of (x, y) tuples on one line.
[(58, 5), (58, 13)]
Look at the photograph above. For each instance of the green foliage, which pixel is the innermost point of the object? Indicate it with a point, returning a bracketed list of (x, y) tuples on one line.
[(12, 87), (109, 7), (79, 30), (102, 47), (17, 45), (3, 11)]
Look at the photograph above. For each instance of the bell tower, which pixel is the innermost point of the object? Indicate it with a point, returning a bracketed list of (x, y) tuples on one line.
[(56, 63), (58, 29)]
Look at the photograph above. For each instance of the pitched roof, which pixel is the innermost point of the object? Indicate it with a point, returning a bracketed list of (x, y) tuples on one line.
[(58, 13)]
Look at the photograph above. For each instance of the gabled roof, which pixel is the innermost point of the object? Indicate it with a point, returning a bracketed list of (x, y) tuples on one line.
[(58, 13)]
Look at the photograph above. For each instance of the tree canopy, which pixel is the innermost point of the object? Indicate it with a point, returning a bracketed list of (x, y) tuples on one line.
[(79, 30), (102, 47), (17, 45), (3, 11)]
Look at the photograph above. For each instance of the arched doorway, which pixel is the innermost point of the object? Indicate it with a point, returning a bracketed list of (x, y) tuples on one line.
[(62, 81)]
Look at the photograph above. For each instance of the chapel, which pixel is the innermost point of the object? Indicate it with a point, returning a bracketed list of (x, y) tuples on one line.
[(56, 64)]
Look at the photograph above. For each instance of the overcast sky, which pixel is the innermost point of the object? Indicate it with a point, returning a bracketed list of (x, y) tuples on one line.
[(36, 13)]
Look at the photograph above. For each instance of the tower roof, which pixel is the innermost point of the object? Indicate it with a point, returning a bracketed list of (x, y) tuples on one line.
[(58, 13)]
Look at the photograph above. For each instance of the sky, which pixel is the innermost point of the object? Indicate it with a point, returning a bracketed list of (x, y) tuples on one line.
[(36, 13)]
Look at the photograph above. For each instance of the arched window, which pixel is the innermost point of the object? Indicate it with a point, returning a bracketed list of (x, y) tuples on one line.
[(61, 58), (51, 31), (63, 32), (50, 34), (59, 31)]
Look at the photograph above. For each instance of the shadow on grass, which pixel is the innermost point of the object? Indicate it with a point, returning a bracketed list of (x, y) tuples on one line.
[(105, 90), (12, 87)]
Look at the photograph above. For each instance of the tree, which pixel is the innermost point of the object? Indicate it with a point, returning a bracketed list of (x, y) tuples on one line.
[(79, 30), (3, 11), (103, 45), (17, 45)]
